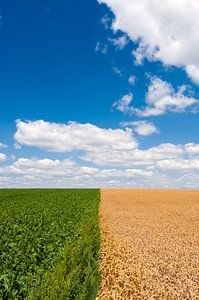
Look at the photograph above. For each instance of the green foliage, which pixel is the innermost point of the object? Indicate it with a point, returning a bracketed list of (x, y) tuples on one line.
[(49, 244)]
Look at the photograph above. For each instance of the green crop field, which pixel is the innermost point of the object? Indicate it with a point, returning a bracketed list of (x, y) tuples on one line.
[(49, 244)]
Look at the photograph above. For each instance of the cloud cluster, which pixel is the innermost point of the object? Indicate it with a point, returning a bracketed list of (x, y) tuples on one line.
[(150, 170), (115, 147), (166, 32), (179, 164), (101, 157), (65, 173), (72, 136), (160, 99), (136, 157)]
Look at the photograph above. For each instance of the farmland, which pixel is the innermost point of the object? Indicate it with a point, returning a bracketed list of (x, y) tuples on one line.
[(49, 244), (150, 244)]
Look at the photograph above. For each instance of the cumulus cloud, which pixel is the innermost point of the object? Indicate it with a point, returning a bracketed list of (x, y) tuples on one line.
[(167, 32), (160, 159), (107, 157), (141, 127), (160, 99), (192, 148), (156, 163), (132, 79), (123, 104), (179, 164), (66, 167), (65, 173), (72, 136), (3, 145), (100, 146), (2, 157), (119, 42), (136, 157), (193, 73), (39, 167)]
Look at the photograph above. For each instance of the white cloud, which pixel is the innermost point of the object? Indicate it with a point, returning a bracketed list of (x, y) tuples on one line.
[(106, 21), (192, 148), (40, 167), (109, 157), (72, 136), (117, 71), (193, 73), (35, 172), (66, 173), (120, 42), (2, 157), (17, 146), (100, 146), (179, 164), (132, 79), (167, 32), (160, 99), (101, 48), (123, 104), (134, 157), (142, 127), (4, 181), (160, 159), (3, 145)]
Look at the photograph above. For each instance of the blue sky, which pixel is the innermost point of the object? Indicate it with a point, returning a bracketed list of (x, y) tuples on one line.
[(108, 64)]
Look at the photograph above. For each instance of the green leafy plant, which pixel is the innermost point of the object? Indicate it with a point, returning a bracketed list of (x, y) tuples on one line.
[(49, 244)]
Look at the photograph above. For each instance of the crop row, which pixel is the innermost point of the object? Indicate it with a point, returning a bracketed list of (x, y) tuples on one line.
[(49, 244)]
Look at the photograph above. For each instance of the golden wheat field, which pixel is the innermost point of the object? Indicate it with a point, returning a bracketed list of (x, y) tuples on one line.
[(150, 244)]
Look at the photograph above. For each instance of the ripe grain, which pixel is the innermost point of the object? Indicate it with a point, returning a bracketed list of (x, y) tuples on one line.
[(150, 244)]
